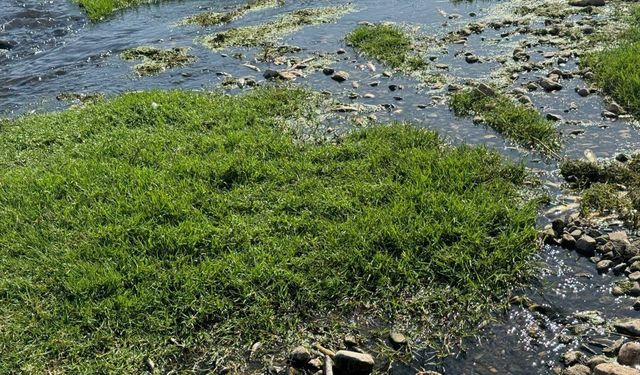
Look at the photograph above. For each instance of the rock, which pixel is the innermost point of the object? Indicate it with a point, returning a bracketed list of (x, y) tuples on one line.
[(472, 59), (340, 76), (394, 87), (328, 71), (635, 266), (615, 108), (354, 363), (596, 360), (558, 225), (397, 339), (617, 291), (628, 326), (300, 356), (636, 304), (549, 85), (629, 354), (634, 276), (584, 92), (350, 341), (623, 158), (572, 357), (7, 44), (614, 369), (270, 74), (341, 51), (577, 370), (613, 348), (586, 3), (586, 245), (634, 290), (604, 265), (485, 89), (387, 74), (554, 117), (568, 241)]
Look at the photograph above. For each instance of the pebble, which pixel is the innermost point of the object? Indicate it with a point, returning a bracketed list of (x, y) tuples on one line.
[(397, 339), (340, 76)]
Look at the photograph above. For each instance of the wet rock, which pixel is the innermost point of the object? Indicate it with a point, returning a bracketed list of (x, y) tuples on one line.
[(634, 276), (634, 290), (604, 265), (629, 354), (328, 71), (622, 158), (340, 76), (485, 89), (549, 85), (300, 356), (614, 369), (613, 349), (636, 304), (615, 108), (586, 245), (635, 266), (7, 44), (472, 59), (568, 241), (608, 114), (270, 74), (584, 92), (341, 51), (577, 370), (617, 291), (628, 326), (350, 341), (586, 3), (572, 357), (554, 117), (354, 363), (558, 225), (397, 339), (387, 74), (394, 87)]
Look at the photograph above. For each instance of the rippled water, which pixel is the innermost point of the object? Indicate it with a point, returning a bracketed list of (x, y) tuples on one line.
[(55, 50)]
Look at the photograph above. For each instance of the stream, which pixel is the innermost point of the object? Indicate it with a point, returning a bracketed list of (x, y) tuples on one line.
[(51, 48)]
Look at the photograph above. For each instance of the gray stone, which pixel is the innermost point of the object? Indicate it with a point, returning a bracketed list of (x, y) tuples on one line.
[(577, 370), (472, 59), (583, 92), (300, 356), (568, 241), (596, 360), (572, 357), (586, 245), (604, 265), (397, 339), (354, 363), (549, 85), (586, 3), (340, 76)]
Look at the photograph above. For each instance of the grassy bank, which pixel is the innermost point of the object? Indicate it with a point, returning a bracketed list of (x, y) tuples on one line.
[(386, 43), (616, 69), (515, 121), (182, 227)]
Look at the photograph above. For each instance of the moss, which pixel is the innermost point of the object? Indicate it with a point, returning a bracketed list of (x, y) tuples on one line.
[(515, 121), (215, 18), (156, 60), (99, 9), (182, 227), (268, 33)]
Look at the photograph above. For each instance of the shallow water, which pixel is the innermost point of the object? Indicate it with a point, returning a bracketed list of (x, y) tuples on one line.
[(56, 50)]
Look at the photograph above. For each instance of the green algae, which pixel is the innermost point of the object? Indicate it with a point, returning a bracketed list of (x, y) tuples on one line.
[(156, 60), (217, 18)]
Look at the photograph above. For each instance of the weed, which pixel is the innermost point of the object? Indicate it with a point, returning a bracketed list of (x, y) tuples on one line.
[(156, 60)]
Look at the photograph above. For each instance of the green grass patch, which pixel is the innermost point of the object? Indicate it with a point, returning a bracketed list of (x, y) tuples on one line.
[(387, 43), (217, 18), (156, 60), (183, 227), (99, 9), (267, 34), (520, 123), (616, 69), (606, 186)]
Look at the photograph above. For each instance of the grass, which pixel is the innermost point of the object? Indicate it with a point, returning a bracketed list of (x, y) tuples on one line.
[(156, 60), (268, 33), (182, 227), (387, 43), (99, 9), (607, 186), (616, 69), (215, 18), (520, 123)]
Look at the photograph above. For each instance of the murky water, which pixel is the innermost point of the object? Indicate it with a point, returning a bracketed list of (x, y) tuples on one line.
[(53, 49)]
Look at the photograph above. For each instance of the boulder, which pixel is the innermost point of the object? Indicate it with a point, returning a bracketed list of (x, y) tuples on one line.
[(586, 3), (629, 354), (586, 245), (628, 326), (353, 363), (300, 356)]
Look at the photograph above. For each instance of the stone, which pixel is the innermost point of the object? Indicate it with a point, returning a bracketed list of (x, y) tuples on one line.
[(636, 304), (634, 290), (586, 3), (617, 291), (485, 89), (472, 59), (586, 245), (623, 158), (7, 44), (629, 354), (350, 341), (634, 276), (354, 363), (577, 370), (340, 76), (572, 357), (568, 241), (592, 362), (558, 225), (584, 92), (328, 71), (635, 266), (554, 117), (397, 339), (614, 369), (619, 236), (628, 326), (615, 108), (604, 265), (549, 85), (300, 356)]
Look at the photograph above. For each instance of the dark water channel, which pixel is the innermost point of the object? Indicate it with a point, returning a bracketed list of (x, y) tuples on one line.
[(52, 49)]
